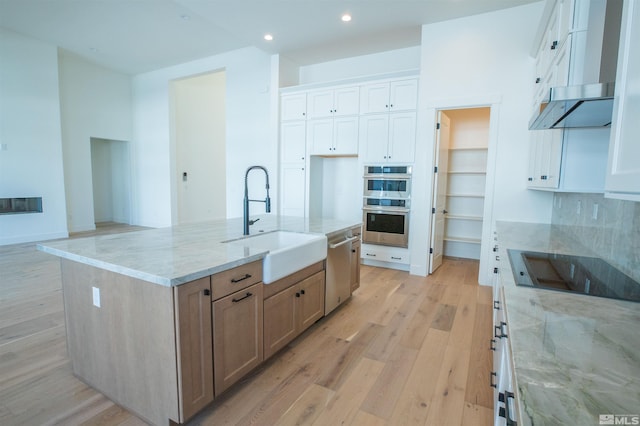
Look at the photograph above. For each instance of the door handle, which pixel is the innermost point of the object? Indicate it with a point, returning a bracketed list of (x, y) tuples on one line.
[(343, 242)]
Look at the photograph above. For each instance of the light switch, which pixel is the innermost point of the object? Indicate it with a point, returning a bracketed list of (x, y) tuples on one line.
[(96, 297)]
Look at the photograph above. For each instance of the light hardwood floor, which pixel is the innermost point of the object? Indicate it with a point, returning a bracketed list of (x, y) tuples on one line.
[(405, 350)]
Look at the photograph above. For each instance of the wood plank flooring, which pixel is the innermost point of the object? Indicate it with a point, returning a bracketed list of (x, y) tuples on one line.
[(404, 350)]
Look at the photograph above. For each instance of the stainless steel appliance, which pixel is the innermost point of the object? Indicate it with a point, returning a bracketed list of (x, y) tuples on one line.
[(580, 274), (386, 205), (589, 101), (339, 268), (386, 222), (387, 181)]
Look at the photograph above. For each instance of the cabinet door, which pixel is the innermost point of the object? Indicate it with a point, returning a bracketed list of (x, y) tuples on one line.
[(320, 136), (195, 359), (237, 335), (374, 137), (346, 101), (402, 137), (293, 141), (320, 104), (355, 266), (345, 136), (403, 95), (374, 98), (293, 107), (293, 190), (623, 172), (280, 322), (310, 300)]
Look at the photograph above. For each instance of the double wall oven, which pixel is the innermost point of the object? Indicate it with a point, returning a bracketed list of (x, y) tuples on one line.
[(386, 205)]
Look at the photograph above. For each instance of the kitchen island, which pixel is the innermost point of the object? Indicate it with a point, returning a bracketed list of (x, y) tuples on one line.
[(575, 357), (162, 320)]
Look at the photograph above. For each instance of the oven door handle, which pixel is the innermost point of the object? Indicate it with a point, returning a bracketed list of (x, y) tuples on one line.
[(382, 210), (343, 242)]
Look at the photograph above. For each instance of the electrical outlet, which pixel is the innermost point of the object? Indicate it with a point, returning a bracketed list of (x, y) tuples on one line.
[(594, 215), (96, 297), (579, 208)]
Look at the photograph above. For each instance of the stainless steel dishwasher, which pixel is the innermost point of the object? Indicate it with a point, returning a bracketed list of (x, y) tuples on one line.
[(338, 271)]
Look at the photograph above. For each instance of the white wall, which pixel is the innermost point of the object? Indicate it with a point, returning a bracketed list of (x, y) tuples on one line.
[(481, 60), (358, 66), (250, 140), (31, 164), (95, 102)]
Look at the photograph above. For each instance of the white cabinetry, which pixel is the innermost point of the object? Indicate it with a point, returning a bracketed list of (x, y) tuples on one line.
[(293, 107), (292, 167), (388, 137), (332, 128), (388, 121), (333, 102), (623, 171), (401, 95), (569, 160), (376, 255), (333, 136)]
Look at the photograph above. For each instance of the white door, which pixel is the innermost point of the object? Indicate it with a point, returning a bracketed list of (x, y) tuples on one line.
[(199, 132), (439, 192)]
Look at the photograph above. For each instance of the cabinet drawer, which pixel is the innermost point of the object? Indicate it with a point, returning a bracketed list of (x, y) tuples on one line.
[(227, 282)]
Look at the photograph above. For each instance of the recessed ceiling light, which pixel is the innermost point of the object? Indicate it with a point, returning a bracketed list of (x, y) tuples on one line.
[(185, 17), (94, 49), (346, 17), (268, 37)]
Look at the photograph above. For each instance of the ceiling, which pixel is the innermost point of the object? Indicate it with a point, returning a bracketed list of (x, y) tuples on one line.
[(134, 36)]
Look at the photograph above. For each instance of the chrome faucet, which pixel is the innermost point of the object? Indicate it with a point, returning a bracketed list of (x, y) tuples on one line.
[(266, 201)]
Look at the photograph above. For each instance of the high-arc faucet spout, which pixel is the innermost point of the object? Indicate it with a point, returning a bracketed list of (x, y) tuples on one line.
[(267, 201)]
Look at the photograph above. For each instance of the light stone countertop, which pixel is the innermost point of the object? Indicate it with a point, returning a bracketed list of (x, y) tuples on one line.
[(179, 254), (575, 356)]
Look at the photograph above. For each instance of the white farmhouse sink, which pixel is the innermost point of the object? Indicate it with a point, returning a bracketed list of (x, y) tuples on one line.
[(288, 252)]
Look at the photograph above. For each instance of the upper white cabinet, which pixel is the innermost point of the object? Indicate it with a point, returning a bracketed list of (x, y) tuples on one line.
[(623, 171), (333, 136), (388, 137), (293, 107), (401, 95), (333, 102)]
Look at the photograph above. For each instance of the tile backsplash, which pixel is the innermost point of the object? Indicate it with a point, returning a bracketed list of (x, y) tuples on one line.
[(610, 227)]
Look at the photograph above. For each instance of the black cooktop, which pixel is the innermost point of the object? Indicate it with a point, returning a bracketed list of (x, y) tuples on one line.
[(578, 274)]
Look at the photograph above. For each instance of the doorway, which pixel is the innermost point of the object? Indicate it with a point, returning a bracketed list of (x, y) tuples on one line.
[(462, 143), (111, 180), (199, 135)]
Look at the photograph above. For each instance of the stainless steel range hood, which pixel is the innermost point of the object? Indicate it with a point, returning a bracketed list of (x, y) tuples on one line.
[(588, 105), (588, 101)]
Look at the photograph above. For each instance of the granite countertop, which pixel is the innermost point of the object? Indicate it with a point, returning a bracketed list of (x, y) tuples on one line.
[(575, 356), (179, 254)]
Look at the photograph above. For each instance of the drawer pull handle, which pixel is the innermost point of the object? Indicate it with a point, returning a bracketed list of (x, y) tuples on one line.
[(207, 292), (492, 345), (237, 280), (499, 331), (506, 411), (396, 258), (496, 305), (491, 382), (371, 254), (242, 298)]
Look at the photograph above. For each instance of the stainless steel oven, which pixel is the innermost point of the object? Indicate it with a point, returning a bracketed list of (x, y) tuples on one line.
[(387, 181), (386, 221)]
